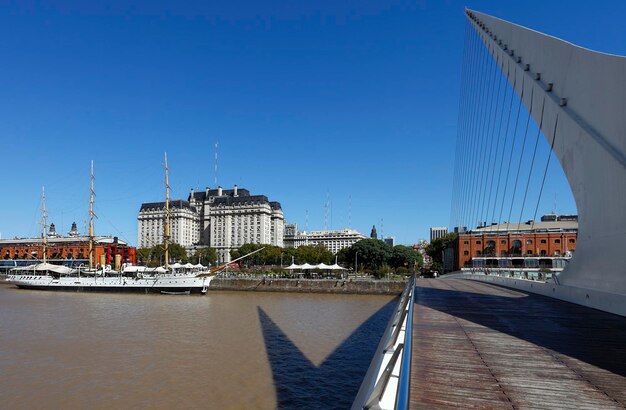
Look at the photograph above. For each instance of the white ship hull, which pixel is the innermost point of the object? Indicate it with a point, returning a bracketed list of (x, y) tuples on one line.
[(164, 284)]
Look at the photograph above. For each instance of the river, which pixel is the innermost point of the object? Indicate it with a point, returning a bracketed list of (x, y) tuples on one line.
[(225, 350)]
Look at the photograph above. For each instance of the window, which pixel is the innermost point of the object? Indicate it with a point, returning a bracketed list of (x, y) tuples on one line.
[(467, 242), (572, 241), (557, 241), (529, 242), (478, 253), (466, 253), (503, 242), (477, 242), (543, 241), (529, 252)]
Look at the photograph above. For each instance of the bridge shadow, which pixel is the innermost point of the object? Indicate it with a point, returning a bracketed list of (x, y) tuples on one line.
[(591, 336), (302, 385)]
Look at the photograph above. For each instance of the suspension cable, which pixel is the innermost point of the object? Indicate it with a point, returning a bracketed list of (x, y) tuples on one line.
[(532, 162)]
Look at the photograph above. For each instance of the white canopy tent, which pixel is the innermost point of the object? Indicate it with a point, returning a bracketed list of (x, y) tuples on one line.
[(294, 266), (47, 267)]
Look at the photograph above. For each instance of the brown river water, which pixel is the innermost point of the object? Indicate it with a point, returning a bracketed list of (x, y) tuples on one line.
[(225, 350)]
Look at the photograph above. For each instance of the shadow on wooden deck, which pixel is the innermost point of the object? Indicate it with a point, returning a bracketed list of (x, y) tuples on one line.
[(477, 343)]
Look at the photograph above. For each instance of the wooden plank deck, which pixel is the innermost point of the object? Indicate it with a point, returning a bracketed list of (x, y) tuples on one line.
[(484, 346)]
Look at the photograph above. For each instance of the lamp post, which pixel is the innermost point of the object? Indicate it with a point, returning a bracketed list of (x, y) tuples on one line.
[(281, 260), (356, 266)]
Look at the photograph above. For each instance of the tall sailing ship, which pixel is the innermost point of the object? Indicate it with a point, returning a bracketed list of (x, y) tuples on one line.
[(165, 280)]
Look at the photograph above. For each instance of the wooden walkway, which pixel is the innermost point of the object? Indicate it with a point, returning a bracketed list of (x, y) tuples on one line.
[(483, 346)]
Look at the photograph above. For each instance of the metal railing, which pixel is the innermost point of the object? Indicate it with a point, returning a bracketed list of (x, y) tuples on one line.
[(386, 383)]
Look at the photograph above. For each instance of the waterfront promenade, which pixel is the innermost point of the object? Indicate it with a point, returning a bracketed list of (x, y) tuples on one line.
[(483, 346)]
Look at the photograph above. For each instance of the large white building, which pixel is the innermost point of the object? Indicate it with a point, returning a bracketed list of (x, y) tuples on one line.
[(184, 224), (223, 219), (333, 240)]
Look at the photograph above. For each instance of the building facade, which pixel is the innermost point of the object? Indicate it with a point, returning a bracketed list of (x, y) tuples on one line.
[(333, 240), (69, 251), (438, 232), (548, 239), (223, 219), (184, 224)]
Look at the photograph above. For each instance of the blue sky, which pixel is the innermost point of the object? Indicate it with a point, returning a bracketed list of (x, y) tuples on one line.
[(308, 100)]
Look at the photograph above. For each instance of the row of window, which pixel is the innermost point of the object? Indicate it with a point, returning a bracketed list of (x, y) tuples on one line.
[(528, 242), (543, 252)]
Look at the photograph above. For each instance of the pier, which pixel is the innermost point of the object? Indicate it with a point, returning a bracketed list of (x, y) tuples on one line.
[(486, 346)]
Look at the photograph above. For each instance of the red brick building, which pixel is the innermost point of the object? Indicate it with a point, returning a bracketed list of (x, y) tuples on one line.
[(556, 238), (68, 250)]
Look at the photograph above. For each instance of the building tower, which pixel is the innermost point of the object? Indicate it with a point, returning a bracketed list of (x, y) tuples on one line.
[(373, 233)]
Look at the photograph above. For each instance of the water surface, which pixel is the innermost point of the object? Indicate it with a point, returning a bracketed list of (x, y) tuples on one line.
[(237, 350)]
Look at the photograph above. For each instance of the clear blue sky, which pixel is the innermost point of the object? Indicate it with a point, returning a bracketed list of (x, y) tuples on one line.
[(306, 99)]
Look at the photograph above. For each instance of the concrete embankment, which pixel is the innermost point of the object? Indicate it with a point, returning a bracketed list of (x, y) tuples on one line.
[(354, 287)]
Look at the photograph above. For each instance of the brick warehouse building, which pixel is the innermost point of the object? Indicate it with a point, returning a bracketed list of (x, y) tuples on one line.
[(554, 238), (71, 251)]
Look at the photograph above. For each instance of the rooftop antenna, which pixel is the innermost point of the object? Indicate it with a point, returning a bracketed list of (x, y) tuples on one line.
[(330, 205), (215, 175), (326, 212), (350, 211), (166, 228), (44, 223)]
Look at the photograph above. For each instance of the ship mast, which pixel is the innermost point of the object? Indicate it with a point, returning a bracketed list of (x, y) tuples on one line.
[(166, 230), (44, 223), (92, 194)]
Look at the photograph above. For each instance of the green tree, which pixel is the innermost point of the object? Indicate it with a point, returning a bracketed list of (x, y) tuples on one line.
[(404, 256), (435, 248), (205, 256), (313, 254), (245, 249), (372, 253), (345, 257), (143, 255)]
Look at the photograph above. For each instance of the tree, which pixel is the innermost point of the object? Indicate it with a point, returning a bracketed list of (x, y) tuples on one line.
[(404, 256), (245, 249), (435, 248), (143, 255), (313, 254), (205, 256), (372, 253)]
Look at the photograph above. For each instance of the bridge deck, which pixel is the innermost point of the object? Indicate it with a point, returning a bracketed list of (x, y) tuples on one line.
[(480, 345)]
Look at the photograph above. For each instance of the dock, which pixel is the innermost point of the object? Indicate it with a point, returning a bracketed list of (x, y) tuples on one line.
[(478, 345)]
